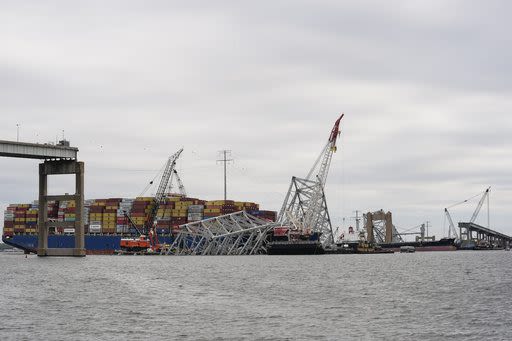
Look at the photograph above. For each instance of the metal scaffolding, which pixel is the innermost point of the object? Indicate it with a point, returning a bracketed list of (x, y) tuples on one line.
[(232, 234)]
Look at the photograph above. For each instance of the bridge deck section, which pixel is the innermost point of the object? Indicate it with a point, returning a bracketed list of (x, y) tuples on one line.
[(37, 150), (484, 230)]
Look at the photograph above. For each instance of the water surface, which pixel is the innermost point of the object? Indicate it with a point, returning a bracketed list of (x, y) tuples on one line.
[(421, 296)]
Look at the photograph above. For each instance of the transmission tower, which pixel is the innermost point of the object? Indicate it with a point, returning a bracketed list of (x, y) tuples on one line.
[(225, 154)]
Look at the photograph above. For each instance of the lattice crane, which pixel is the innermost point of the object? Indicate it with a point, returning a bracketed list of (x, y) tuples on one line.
[(181, 187), (323, 162), (452, 231), (160, 193), (305, 206), (479, 206)]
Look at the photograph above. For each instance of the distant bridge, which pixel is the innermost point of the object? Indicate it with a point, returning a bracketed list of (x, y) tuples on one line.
[(472, 231)]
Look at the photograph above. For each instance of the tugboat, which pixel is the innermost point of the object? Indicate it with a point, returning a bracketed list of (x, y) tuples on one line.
[(141, 245)]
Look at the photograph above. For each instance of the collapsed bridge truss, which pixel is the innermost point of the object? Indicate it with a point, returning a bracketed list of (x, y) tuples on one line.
[(232, 234), (305, 206)]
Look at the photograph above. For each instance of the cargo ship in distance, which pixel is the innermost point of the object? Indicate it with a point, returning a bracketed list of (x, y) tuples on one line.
[(443, 244), (105, 221)]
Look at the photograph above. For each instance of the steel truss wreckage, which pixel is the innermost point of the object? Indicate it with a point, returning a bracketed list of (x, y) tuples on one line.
[(304, 209), (232, 234), (305, 206)]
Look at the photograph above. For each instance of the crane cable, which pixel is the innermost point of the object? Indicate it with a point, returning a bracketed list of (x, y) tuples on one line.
[(464, 201), (148, 186)]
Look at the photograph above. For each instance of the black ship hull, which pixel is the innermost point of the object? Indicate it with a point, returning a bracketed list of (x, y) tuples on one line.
[(295, 248), (445, 244)]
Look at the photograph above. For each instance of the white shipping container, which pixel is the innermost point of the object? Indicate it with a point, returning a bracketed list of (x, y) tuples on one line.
[(195, 216), (95, 228), (195, 208)]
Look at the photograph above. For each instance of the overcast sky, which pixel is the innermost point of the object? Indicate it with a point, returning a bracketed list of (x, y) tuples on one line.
[(425, 87)]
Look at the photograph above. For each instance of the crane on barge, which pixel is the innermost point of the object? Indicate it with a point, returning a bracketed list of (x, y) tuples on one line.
[(305, 206), (303, 221), (452, 231), (151, 242)]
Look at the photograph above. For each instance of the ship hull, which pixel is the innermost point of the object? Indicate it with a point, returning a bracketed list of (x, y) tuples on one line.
[(94, 244), (295, 248), (447, 244)]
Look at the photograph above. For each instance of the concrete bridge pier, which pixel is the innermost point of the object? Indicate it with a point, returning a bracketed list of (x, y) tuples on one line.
[(53, 168)]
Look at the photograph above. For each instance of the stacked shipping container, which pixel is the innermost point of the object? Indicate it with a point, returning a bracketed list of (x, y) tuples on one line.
[(107, 216)]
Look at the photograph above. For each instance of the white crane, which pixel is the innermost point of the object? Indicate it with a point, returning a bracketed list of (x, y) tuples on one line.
[(452, 231), (479, 207), (181, 187), (326, 155), (160, 193), (305, 206)]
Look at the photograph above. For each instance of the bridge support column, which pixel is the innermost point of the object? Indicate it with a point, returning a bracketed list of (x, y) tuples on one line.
[(389, 228), (369, 227), (54, 168)]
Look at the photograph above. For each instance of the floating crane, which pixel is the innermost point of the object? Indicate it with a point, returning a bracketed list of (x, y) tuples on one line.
[(479, 207), (452, 231), (304, 211), (152, 242), (305, 206)]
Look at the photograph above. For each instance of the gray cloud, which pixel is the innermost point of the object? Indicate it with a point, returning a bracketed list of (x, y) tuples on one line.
[(425, 88)]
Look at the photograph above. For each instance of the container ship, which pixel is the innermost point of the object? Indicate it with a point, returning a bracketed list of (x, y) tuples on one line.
[(105, 221)]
